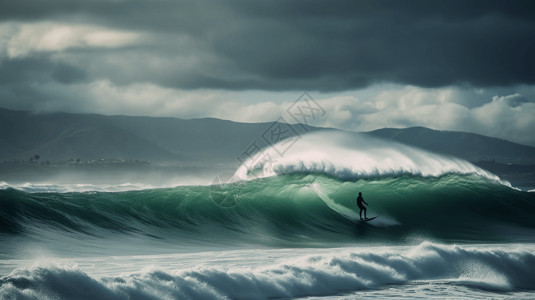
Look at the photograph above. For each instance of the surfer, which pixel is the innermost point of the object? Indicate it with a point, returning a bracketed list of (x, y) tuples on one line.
[(360, 200)]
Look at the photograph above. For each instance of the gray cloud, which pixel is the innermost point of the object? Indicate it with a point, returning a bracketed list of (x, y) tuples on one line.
[(513, 100), (296, 45), (38, 70)]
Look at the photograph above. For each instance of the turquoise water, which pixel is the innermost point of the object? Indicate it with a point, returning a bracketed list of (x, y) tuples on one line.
[(292, 210)]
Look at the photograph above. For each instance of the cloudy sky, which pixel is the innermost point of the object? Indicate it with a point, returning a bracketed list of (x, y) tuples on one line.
[(450, 65)]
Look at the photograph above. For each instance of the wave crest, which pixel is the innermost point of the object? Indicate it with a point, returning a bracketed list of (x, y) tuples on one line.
[(353, 156)]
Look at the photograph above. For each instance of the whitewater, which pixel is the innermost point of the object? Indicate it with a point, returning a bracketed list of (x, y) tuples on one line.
[(282, 226)]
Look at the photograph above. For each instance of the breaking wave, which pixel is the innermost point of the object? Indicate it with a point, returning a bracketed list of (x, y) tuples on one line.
[(351, 157), (496, 268)]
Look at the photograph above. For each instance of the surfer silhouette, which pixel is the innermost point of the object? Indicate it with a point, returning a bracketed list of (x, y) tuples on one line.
[(360, 202)]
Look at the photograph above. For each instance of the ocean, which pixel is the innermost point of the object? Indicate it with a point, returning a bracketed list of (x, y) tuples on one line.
[(283, 229)]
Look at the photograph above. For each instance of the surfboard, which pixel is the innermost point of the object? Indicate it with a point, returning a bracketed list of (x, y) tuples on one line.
[(368, 219)]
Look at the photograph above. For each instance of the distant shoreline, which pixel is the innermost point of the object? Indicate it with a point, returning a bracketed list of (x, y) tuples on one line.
[(108, 171)]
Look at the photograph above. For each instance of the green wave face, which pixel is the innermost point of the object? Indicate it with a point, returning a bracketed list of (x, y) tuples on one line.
[(452, 207), (298, 209)]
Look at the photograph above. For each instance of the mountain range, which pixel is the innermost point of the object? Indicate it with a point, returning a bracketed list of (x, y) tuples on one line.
[(63, 136)]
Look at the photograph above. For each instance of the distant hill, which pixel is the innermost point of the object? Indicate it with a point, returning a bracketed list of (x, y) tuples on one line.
[(470, 146), (63, 136)]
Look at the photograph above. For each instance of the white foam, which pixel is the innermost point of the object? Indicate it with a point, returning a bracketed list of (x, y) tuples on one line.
[(77, 187), (352, 156), (323, 273)]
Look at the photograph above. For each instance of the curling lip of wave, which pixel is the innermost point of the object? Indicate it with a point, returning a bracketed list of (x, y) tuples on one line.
[(353, 156)]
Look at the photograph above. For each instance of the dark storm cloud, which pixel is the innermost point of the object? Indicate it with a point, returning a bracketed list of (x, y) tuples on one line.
[(39, 70), (294, 45), (421, 43)]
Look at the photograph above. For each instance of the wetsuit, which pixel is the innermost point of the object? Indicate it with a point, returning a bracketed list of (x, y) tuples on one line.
[(360, 200)]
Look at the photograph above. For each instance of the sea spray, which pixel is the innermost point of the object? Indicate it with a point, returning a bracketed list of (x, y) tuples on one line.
[(354, 156)]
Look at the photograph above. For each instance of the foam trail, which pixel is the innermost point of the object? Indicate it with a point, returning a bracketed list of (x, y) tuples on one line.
[(353, 156), (350, 214), (342, 210)]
